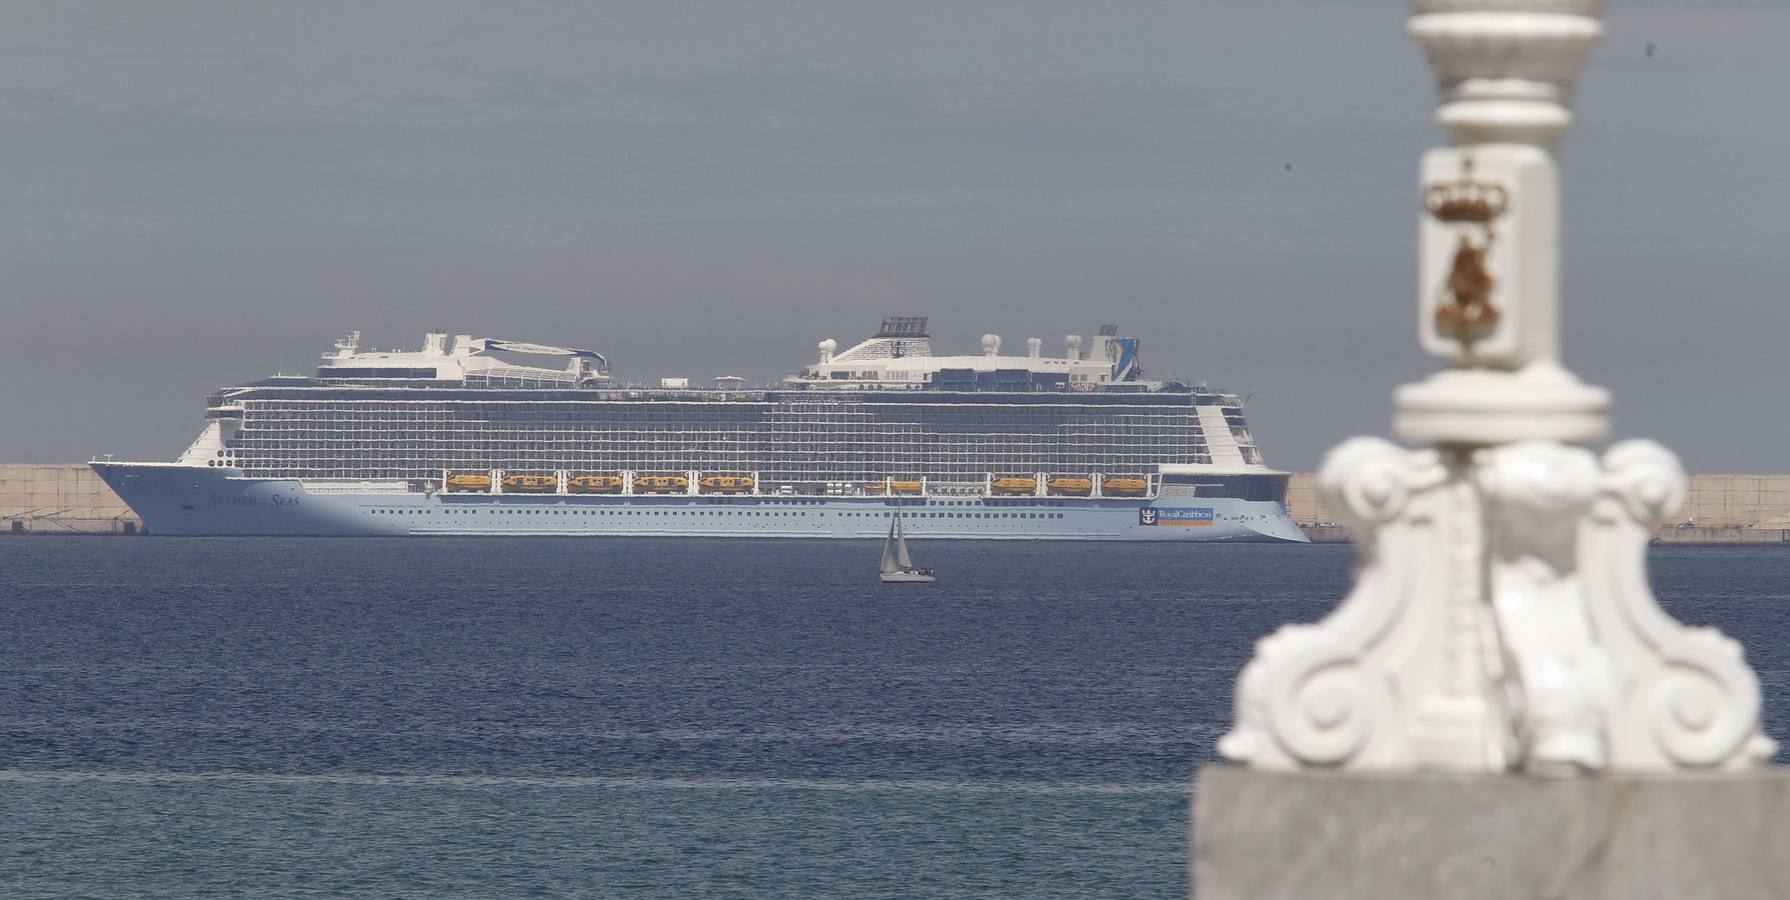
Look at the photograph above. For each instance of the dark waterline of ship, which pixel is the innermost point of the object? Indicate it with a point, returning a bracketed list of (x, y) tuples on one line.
[(651, 717)]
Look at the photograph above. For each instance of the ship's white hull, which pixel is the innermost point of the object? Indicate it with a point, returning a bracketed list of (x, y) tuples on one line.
[(190, 500)]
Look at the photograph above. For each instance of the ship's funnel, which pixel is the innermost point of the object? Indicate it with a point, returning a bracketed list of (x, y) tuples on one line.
[(1123, 352)]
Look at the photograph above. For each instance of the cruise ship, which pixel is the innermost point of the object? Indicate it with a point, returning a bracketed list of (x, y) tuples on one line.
[(483, 436)]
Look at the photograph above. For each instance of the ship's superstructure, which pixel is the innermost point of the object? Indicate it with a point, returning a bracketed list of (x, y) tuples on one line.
[(472, 420)]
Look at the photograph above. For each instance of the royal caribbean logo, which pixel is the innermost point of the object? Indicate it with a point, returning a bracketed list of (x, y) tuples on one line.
[(1189, 516)]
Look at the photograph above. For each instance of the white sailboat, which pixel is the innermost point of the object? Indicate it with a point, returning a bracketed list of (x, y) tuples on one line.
[(897, 566)]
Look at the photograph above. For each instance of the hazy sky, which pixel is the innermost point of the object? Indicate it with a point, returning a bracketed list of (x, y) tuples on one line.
[(196, 194)]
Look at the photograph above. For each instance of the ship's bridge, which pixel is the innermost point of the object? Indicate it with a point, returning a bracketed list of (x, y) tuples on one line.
[(467, 359), (900, 355)]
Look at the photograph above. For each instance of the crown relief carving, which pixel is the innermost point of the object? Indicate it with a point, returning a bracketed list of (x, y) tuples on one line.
[(1466, 200), (1466, 310)]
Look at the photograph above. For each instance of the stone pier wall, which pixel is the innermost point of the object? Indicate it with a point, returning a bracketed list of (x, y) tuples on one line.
[(61, 499), (1307, 509), (1718, 509)]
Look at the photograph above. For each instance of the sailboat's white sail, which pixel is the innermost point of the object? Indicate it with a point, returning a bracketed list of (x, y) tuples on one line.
[(897, 565), (901, 557), (891, 562)]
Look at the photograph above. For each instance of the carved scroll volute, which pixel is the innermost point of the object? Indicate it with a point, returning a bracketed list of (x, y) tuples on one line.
[(1687, 697), (1367, 482), (1317, 695)]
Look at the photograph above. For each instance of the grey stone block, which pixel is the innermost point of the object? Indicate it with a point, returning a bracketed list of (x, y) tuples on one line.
[(1342, 836)]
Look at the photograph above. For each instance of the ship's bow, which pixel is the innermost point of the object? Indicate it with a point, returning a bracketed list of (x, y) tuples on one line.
[(177, 499)]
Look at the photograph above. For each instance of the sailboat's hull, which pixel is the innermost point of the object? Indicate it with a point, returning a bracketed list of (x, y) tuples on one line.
[(909, 578)]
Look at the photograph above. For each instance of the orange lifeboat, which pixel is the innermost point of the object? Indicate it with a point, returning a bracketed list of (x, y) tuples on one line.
[(1012, 485), (726, 484), (661, 484), (1070, 486), (894, 487), (530, 484), (594, 484), (1125, 487), (457, 484)]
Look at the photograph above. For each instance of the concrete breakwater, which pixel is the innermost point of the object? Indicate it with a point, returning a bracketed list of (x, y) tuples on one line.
[(1718, 509), (61, 499)]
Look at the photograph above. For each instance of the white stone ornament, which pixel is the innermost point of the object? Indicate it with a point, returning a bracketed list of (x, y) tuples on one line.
[(1400, 675), (1685, 698), (1501, 618), (1505, 68), (1505, 71), (1556, 677)]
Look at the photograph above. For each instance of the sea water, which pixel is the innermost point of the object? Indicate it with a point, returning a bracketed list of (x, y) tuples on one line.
[(651, 718)]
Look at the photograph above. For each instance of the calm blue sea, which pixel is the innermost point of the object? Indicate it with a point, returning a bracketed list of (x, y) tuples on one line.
[(650, 718)]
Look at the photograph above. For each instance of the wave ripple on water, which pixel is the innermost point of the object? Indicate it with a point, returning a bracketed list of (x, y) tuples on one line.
[(648, 717)]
